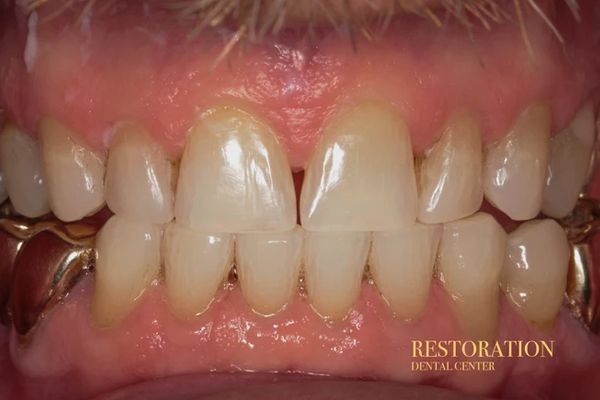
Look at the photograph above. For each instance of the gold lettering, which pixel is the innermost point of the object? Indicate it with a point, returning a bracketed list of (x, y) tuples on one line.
[(417, 348)]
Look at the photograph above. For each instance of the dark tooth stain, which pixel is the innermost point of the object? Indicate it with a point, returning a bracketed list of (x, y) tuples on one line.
[(9, 247)]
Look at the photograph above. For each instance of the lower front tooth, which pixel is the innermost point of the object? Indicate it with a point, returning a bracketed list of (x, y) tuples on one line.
[(268, 265), (402, 266), (470, 260), (128, 260), (535, 270), (334, 267), (196, 264)]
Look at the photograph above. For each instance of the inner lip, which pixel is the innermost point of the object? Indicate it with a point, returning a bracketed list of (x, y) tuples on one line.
[(369, 344)]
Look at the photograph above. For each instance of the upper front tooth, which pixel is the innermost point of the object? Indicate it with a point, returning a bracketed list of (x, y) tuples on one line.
[(569, 164), (450, 175), (334, 267), (22, 165), (268, 265), (515, 167), (470, 260), (402, 266), (239, 158), (535, 270), (361, 175), (74, 174), (139, 177)]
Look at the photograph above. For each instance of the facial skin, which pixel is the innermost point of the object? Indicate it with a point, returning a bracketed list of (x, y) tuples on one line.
[(267, 199)]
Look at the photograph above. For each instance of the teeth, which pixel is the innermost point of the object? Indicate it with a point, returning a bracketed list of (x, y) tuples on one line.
[(20, 160), (401, 263), (361, 175), (196, 264), (334, 266), (240, 158), (515, 167), (470, 260), (139, 177), (3, 192), (535, 270), (268, 265), (74, 174), (128, 260), (450, 175), (569, 164)]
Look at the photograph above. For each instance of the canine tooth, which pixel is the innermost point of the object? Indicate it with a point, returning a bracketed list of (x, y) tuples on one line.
[(334, 266), (569, 164), (450, 176), (74, 174), (139, 177), (401, 263), (361, 175), (268, 265), (196, 263), (22, 165), (3, 192), (128, 260), (470, 260), (515, 167), (535, 270), (239, 157)]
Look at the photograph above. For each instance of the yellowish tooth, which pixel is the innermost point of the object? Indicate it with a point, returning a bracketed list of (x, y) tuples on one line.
[(534, 276), (128, 260), (450, 176), (74, 173), (23, 172), (515, 167), (239, 158), (139, 176), (361, 174), (196, 264)]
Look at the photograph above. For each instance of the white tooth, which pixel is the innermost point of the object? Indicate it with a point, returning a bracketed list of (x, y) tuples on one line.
[(3, 192), (450, 176), (535, 270), (74, 174), (139, 177), (128, 260), (239, 158), (401, 263), (361, 175), (196, 264), (470, 260), (569, 164), (22, 165), (268, 265), (334, 266), (515, 167)]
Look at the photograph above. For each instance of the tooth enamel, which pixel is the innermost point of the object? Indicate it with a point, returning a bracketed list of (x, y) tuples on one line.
[(401, 263), (3, 192), (239, 158), (534, 276), (361, 175), (470, 260), (268, 265), (569, 164), (74, 174), (139, 177), (22, 165), (450, 176), (196, 264), (334, 266), (128, 260), (515, 167)]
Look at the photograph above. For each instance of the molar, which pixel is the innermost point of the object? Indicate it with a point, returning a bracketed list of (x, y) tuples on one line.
[(74, 174), (139, 177), (22, 165), (515, 167), (239, 158), (470, 260), (361, 174)]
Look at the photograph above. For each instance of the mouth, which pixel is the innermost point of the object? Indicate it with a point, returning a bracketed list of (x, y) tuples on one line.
[(202, 200)]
